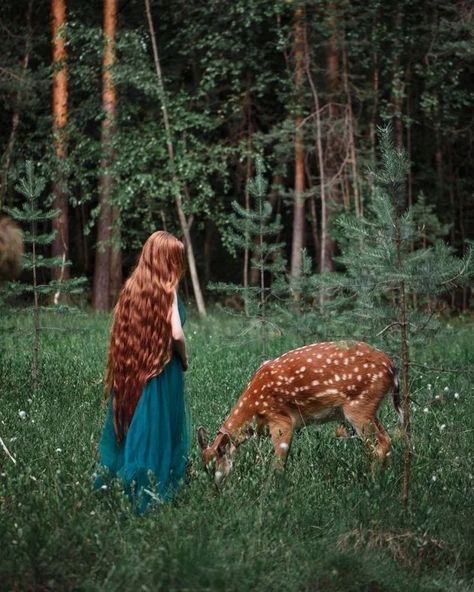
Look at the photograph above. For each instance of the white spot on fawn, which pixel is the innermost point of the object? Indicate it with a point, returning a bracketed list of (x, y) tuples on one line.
[(284, 446)]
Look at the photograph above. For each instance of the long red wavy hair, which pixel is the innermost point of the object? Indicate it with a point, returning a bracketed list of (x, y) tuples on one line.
[(141, 336)]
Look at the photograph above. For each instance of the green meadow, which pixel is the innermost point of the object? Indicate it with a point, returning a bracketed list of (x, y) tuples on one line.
[(325, 524)]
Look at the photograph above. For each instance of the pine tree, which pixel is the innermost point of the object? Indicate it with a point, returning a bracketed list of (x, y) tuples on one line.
[(254, 229), (31, 187), (389, 267)]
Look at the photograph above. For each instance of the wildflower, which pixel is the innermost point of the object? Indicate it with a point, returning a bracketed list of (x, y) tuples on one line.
[(429, 387), (446, 389), (456, 395), (425, 410), (22, 414), (104, 487), (442, 427), (433, 478), (58, 450)]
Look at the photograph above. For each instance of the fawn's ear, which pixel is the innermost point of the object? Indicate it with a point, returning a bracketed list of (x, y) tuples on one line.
[(223, 444), (203, 438)]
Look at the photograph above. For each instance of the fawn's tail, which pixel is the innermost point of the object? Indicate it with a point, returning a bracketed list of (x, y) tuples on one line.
[(396, 393)]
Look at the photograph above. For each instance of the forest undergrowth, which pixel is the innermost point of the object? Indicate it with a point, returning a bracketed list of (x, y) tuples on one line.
[(326, 524)]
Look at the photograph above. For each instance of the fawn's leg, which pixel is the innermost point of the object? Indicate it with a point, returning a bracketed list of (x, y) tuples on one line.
[(262, 426), (281, 431), (382, 449), (371, 432)]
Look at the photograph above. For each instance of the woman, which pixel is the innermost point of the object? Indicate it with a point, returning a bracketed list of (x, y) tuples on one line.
[(145, 437)]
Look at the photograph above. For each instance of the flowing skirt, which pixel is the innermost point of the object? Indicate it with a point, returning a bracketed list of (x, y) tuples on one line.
[(151, 459)]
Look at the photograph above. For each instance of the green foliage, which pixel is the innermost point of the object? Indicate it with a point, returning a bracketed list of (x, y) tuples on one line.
[(252, 230), (388, 246), (31, 187)]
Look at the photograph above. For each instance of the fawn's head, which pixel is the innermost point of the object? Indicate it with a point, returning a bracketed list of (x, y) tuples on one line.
[(217, 456)]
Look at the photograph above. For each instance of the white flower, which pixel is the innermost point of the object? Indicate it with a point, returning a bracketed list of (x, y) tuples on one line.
[(456, 395), (58, 450), (104, 487), (22, 414), (442, 427), (429, 387), (433, 477), (446, 389), (425, 410)]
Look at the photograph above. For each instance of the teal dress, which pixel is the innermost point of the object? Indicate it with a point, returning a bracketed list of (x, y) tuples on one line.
[(151, 459)]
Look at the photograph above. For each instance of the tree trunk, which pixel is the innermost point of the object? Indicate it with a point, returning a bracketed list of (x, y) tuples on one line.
[(116, 275), (320, 246), (351, 138), (398, 86), (329, 209), (208, 249), (248, 174), (103, 272), (60, 245), (185, 227), (7, 155), (299, 200)]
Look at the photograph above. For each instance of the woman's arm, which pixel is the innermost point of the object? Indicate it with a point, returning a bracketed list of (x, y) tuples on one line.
[(179, 343)]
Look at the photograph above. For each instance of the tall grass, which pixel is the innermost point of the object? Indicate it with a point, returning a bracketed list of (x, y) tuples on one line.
[(325, 525)]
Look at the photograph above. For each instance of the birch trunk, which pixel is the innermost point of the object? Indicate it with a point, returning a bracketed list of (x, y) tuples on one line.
[(185, 227)]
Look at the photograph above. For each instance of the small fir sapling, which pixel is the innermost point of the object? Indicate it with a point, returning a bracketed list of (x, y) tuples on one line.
[(394, 269), (31, 187), (257, 230)]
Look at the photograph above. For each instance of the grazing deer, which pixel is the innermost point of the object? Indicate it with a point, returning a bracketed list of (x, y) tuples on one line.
[(315, 383)]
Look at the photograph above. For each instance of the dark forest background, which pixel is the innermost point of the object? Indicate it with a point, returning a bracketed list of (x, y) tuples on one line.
[(304, 84)]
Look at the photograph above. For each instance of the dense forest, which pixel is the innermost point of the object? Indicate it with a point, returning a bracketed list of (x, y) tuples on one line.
[(146, 115)]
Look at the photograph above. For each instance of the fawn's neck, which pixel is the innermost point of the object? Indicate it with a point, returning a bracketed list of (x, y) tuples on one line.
[(237, 422)]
